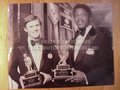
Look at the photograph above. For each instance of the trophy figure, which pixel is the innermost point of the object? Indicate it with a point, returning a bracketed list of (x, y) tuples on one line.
[(63, 70), (31, 78)]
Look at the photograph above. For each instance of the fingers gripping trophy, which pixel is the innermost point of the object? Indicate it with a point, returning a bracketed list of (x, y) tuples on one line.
[(31, 78), (63, 70)]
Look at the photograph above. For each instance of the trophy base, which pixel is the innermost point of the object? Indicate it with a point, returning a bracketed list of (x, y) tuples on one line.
[(63, 72), (32, 79)]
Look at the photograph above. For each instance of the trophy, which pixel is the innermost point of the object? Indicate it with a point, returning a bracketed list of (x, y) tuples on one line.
[(63, 70), (31, 78)]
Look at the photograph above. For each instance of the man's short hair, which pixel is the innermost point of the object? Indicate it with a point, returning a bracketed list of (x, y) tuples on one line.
[(29, 18), (83, 6)]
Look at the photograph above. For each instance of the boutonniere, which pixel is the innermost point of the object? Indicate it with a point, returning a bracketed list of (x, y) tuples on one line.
[(50, 55), (90, 51)]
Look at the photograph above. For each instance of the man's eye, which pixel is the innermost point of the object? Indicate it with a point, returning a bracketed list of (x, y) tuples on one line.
[(82, 15), (38, 25), (31, 26)]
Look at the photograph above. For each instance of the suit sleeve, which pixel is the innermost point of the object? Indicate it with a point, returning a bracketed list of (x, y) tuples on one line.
[(105, 57), (13, 65)]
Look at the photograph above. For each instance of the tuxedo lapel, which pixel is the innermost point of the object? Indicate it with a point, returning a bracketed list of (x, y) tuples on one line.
[(86, 44), (42, 59)]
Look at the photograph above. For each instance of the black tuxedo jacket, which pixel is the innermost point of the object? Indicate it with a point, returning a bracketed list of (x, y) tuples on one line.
[(97, 64), (49, 61)]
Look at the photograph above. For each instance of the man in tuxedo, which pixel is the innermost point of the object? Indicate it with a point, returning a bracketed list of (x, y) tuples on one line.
[(33, 54), (92, 54)]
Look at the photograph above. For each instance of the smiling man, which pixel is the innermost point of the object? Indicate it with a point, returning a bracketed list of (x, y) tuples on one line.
[(92, 57), (33, 28), (34, 54)]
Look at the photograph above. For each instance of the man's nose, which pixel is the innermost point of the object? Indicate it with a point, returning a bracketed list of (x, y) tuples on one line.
[(35, 28), (80, 18)]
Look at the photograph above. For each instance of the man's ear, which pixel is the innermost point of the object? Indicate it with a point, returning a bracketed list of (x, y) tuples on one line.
[(25, 30)]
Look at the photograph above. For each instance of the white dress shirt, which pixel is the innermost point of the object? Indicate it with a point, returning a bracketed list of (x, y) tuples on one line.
[(79, 41), (36, 52)]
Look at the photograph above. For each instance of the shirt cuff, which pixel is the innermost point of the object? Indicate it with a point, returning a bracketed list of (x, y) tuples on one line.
[(86, 81)]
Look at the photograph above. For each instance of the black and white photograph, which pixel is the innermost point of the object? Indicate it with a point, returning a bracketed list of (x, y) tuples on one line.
[(56, 45)]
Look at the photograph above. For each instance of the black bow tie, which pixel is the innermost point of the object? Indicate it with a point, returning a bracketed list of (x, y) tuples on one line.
[(80, 32), (34, 42)]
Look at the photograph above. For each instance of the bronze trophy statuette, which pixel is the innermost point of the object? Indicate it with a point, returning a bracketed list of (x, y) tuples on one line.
[(31, 78)]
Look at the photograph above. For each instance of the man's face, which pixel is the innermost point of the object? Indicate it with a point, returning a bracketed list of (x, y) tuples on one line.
[(81, 18), (33, 28)]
